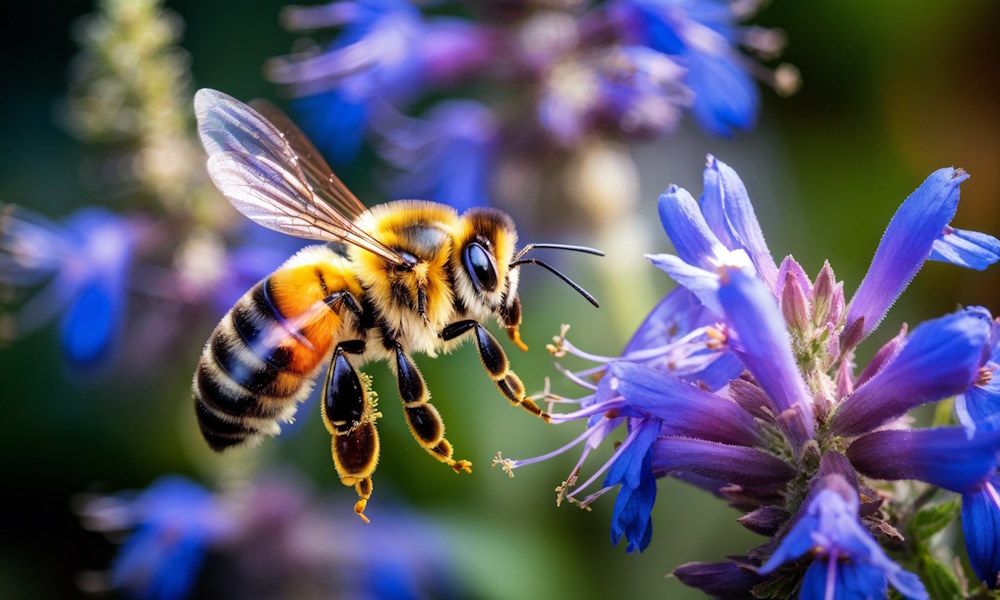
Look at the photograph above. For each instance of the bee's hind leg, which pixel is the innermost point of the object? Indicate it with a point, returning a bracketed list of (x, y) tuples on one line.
[(496, 364), (423, 419), (349, 416)]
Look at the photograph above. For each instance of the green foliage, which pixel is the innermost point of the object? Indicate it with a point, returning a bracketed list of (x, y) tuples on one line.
[(933, 519)]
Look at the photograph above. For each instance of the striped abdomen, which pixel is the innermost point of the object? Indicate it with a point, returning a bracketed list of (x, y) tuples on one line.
[(261, 358)]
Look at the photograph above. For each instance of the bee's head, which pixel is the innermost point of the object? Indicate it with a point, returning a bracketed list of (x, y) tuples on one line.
[(487, 269), (485, 280)]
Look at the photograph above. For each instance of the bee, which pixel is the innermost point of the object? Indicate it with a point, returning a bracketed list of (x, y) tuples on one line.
[(403, 277)]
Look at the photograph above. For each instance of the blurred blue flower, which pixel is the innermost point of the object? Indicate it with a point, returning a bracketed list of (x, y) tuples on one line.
[(172, 524), (847, 561), (445, 156), (702, 36), (386, 52), (272, 537), (86, 262)]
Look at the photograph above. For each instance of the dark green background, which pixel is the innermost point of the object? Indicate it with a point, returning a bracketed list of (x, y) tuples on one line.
[(892, 91)]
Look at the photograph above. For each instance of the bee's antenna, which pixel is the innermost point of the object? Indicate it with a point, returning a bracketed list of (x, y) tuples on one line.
[(551, 269), (583, 249)]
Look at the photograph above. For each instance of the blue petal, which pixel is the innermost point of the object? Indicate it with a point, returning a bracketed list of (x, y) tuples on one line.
[(684, 409), (336, 122), (797, 542), (633, 508), (766, 350), (981, 526), (905, 246), (89, 325), (969, 249), (676, 315), (687, 229), (725, 196), (940, 359), (726, 97), (946, 457), (703, 284), (627, 468), (979, 408)]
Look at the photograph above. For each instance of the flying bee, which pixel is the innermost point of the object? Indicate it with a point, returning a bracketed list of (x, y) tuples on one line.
[(402, 277)]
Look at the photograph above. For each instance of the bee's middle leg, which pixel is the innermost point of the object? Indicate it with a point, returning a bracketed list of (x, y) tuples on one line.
[(423, 419), (496, 364)]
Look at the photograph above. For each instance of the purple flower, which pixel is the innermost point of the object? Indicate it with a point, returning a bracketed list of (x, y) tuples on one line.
[(847, 561), (763, 389), (85, 262)]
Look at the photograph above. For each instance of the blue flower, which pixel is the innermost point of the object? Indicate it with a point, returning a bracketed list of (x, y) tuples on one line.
[(701, 36), (777, 350), (847, 562), (85, 262), (173, 522), (274, 536), (386, 52), (445, 157)]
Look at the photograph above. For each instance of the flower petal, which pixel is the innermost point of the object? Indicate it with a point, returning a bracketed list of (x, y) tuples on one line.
[(723, 188), (905, 246), (687, 229), (684, 409), (765, 349), (703, 284), (719, 580), (969, 249), (946, 457), (981, 526), (940, 359), (735, 464)]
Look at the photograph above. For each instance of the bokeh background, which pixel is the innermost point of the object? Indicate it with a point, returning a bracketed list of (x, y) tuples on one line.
[(891, 91)]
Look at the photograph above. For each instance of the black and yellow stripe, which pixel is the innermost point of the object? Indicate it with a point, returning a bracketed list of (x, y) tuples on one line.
[(241, 388)]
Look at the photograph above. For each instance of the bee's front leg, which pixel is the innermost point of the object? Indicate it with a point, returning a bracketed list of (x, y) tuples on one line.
[(422, 417), (350, 418), (496, 364)]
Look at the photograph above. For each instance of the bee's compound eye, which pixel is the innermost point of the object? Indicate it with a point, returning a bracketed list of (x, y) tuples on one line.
[(480, 266)]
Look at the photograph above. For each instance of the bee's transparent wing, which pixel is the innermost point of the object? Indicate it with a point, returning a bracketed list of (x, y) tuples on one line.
[(276, 177)]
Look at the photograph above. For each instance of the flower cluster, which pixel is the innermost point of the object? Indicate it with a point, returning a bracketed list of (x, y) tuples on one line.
[(560, 77), (742, 382), (270, 538), (178, 251)]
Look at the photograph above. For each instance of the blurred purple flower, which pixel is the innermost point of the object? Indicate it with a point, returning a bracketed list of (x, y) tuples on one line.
[(85, 261)]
